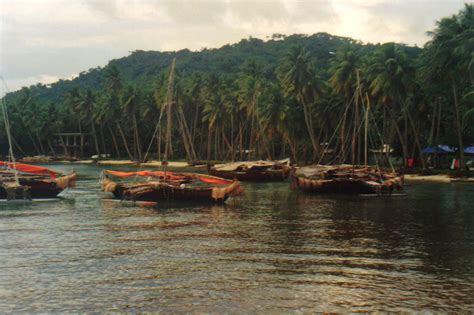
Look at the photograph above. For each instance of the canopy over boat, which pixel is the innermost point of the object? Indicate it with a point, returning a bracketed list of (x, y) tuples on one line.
[(440, 149), (469, 150), (229, 167), (30, 169)]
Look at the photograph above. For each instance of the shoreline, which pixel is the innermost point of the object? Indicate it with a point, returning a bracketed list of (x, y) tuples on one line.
[(409, 178), (440, 178)]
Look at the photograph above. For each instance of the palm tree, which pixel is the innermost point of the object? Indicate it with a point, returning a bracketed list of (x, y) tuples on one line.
[(345, 81), (214, 112), (452, 47), (113, 86), (86, 108), (390, 75), (73, 99), (195, 94), (130, 106), (299, 80), (250, 89), (274, 118)]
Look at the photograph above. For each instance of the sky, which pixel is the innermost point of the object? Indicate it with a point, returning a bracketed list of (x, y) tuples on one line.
[(46, 40)]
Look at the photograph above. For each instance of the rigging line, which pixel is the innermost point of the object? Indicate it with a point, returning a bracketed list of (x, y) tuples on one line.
[(340, 156), (166, 105), (357, 132), (154, 133), (151, 141), (337, 128), (381, 140), (379, 172)]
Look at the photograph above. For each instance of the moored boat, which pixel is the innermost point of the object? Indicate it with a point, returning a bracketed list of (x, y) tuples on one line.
[(258, 171), (346, 179), (24, 181), (169, 186)]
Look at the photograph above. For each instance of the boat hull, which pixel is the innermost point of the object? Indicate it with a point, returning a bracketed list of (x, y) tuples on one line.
[(161, 191), (40, 188), (345, 186)]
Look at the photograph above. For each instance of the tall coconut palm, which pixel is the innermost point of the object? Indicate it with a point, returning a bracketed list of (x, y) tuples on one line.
[(113, 86), (453, 47), (299, 80), (130, 106), (250, 88), (390, 74), (86, 107), (274, 118), (344, 81), (214, 112)]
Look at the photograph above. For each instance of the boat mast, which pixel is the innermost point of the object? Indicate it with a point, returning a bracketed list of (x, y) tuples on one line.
[(367, 110), (355, 131), (6, 121), (168, 104)]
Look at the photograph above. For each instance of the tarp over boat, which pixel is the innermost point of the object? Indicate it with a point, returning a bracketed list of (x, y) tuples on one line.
[(234, 166), (317, 170), (343, 171), (30, 169), (171, 176)]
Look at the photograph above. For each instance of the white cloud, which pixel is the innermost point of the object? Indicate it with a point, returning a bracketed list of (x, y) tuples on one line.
[(59, 37), (17, 84)]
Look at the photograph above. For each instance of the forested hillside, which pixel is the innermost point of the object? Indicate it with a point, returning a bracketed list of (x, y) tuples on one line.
[(282, 97)]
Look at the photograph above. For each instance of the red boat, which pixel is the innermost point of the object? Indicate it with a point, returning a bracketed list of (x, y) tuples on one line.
[(24, 181)]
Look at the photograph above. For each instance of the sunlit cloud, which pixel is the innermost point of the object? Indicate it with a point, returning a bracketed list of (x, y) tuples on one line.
[(54, 38)]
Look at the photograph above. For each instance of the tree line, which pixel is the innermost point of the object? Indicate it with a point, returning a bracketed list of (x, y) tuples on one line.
[(298, 96)]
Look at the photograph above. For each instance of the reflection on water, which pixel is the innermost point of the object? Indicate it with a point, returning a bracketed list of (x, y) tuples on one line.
[(271, 250)]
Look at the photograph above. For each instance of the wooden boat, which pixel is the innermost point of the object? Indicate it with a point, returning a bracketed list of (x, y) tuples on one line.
[(169, 186), (24, 181), (253, 170), (345, 179)]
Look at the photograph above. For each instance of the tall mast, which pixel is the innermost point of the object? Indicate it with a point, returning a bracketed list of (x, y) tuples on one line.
[(367, 110), (169, 104), (9, 137)]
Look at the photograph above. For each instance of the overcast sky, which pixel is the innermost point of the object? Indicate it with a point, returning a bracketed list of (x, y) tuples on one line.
[(44, 40)]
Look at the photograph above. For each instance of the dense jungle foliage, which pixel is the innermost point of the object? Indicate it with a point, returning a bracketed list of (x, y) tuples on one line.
[(294, 96)]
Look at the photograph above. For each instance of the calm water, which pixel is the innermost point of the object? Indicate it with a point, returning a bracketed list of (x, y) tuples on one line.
[(272, 250)]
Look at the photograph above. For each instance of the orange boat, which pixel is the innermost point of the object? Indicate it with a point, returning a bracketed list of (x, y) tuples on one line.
[(25, 181)]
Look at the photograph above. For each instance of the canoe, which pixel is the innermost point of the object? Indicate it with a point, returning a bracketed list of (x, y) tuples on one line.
[(33, 186), (345, 180), (170, 186)]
